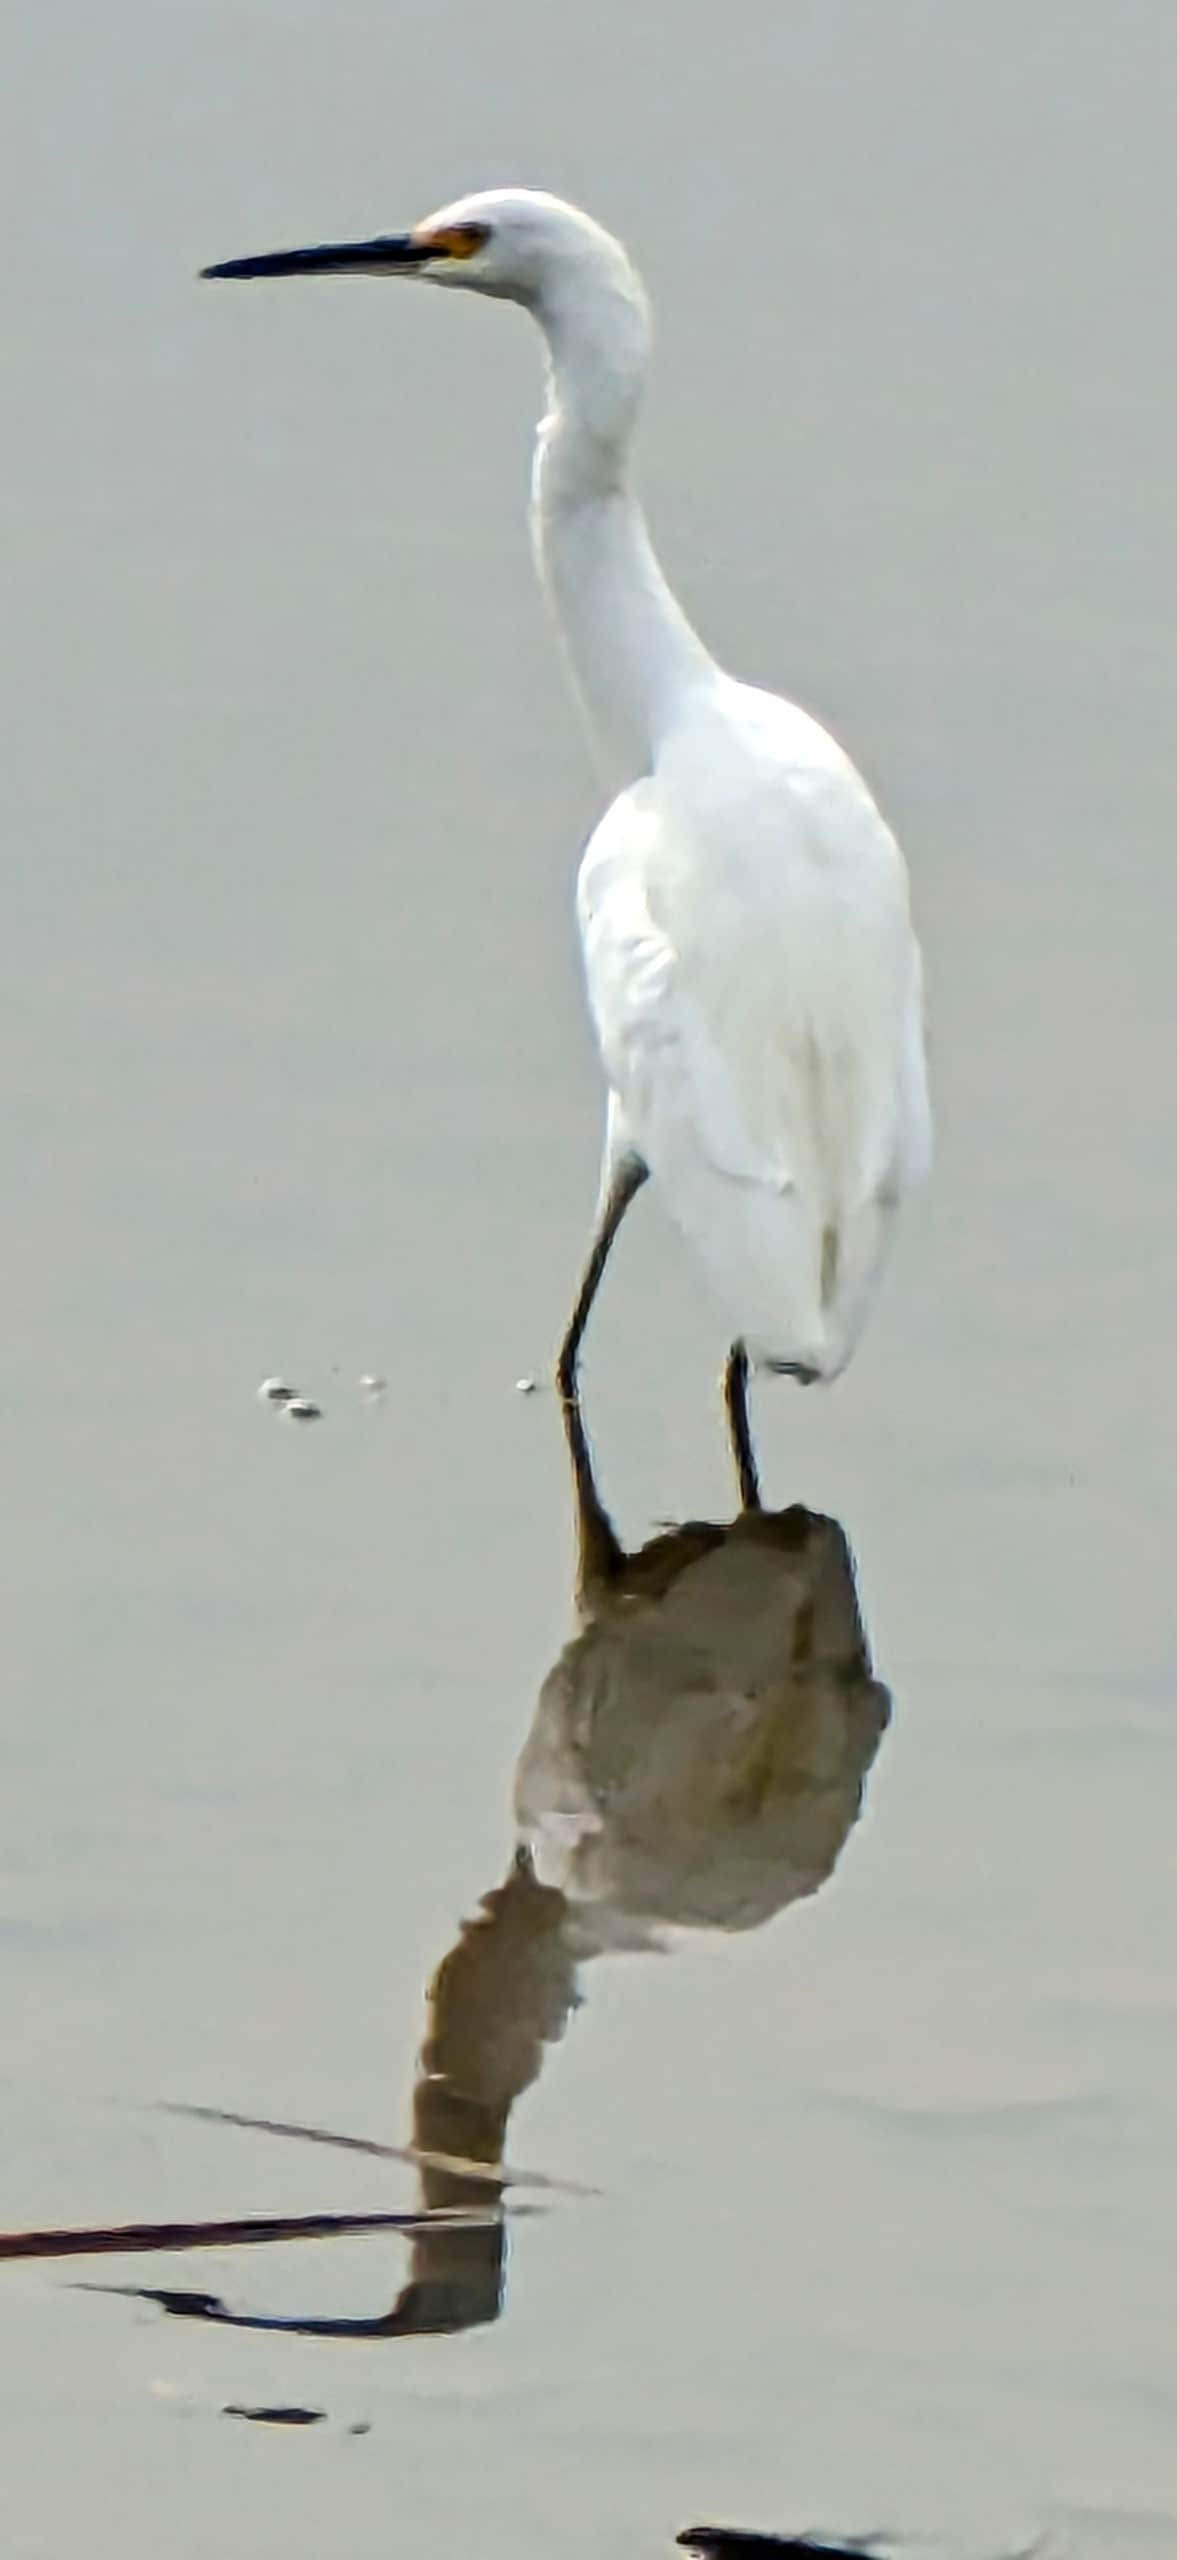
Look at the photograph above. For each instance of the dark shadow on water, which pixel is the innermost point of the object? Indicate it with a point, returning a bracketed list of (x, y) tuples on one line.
[(722, 2542), (728, 2542)]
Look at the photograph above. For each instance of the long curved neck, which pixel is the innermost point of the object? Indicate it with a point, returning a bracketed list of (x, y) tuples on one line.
[(631, 650)]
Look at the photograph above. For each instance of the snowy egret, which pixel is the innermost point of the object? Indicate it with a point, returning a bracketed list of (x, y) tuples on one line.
[(752, 971)]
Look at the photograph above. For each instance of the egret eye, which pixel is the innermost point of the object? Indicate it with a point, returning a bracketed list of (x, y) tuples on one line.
[(459, 240)]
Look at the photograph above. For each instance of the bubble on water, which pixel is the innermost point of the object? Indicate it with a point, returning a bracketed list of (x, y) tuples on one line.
[(372, 1387), (276, 1391)]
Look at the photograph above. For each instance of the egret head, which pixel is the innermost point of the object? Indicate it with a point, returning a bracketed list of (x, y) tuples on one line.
[(512, 242)]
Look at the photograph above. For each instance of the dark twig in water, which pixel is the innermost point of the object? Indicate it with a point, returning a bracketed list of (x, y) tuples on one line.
[(727, 2542), (118, 2239), (279, 2416), (489, 2172)]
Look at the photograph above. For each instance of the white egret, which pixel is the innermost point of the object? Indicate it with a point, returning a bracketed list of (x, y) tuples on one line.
[(752, 970)]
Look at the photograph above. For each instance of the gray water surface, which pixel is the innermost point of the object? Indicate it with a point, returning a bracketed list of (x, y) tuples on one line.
[(298, 1078)]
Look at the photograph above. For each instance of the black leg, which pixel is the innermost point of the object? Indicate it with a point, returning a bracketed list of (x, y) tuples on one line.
[(599, 1552), (735, 1397), (627, 1180)]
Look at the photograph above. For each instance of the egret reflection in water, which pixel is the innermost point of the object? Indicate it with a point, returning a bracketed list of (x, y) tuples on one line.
[(699, 1750), (696, 1760)]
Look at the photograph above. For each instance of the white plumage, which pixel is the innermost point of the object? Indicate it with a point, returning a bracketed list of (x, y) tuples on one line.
[(752, 971), (755, 986)]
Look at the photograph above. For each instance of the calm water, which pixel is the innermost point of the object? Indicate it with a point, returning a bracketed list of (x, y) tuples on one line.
[(298, 1078)]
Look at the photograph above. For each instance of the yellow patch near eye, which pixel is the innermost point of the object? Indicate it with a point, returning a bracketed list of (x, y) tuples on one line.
[(460, 240)]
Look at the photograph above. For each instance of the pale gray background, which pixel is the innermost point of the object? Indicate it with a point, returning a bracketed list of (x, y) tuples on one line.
[(297, 1075)]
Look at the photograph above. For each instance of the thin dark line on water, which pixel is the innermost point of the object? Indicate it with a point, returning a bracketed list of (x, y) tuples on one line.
[(493, 2172), (732, 2542), (286, 2413), (402, 2320), (729, 2542), (115, 2239)]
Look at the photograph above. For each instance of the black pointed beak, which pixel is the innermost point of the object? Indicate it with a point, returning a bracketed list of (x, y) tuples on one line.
[(399, 252)]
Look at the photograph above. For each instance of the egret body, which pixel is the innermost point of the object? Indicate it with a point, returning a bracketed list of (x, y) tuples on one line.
[(752, 971)]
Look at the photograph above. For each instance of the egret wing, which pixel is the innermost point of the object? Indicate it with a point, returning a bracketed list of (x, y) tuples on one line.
[(659, 1049)]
